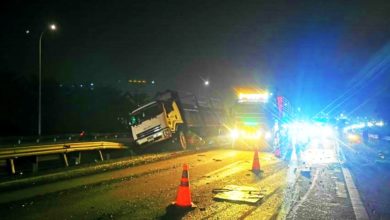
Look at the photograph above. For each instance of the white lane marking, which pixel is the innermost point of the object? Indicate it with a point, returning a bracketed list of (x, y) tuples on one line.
[(357, 204), (224, 168), (341, 192), (220, 173)]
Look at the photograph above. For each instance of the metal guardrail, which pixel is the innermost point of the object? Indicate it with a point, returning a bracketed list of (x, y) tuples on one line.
[(20, 141), (10, 154), (7, 153)]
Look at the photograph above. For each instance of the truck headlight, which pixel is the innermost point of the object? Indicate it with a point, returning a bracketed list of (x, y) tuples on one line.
[(234, 133), (267, 135), (258, 134), (167, 133)]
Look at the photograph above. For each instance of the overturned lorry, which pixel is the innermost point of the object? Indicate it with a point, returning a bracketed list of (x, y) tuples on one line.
[(176, 118)]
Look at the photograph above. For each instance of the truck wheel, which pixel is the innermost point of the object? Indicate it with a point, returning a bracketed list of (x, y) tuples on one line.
[(182, 140)]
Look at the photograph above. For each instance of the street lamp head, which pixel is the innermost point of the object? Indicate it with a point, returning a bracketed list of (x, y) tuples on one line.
[(206, 83), (53, 27)]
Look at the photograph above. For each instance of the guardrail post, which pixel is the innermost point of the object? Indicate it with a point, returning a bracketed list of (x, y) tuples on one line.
[(12, 165), (101, 155), (35, 165), (78, 159), (65, 160)]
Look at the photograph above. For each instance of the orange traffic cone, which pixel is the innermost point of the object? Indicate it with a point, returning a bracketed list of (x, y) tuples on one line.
[(183, 198), (256, 163)]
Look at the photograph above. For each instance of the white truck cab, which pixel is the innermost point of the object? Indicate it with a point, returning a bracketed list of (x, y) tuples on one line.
[(157, 121)]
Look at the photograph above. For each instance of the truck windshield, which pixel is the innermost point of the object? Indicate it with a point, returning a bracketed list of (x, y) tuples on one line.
[(248, 109), (250, 114), (146, 113)]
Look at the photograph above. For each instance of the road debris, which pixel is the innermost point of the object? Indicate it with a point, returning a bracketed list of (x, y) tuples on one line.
[(306, 172), (236, 193)]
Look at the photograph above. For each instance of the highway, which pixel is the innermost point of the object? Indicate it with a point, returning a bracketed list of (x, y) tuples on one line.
[(308, 185), (261, 110), (369, 164)]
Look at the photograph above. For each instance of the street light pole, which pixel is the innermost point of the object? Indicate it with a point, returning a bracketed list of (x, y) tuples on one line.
[(40, 85), (52, 27)]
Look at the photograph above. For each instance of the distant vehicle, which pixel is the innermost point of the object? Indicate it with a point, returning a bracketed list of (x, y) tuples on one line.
[(252, 119), (353, 138), (172, 118)]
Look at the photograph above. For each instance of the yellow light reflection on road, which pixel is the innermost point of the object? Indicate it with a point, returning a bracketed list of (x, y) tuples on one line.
[(232, 154)]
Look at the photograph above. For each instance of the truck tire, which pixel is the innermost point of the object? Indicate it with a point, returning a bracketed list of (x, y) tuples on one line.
[(182, 140)]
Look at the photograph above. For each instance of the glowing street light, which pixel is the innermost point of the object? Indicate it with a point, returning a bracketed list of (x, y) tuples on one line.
[(206, 82), (51, 27)]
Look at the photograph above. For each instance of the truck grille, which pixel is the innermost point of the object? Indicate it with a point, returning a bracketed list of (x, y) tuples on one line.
[(149, 132)]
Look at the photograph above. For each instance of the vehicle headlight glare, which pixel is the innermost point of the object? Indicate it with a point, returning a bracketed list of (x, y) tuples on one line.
[(258, 134), (268, 135), (234, 133)]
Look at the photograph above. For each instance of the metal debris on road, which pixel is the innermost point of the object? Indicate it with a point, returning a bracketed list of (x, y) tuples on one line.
[(236, 193), (306, 172)]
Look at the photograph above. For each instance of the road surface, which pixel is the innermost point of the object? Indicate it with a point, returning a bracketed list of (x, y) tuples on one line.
[(309, 186), (369, 164)]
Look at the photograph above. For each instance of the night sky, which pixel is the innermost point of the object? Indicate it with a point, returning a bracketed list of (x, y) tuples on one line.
[(313, 52)]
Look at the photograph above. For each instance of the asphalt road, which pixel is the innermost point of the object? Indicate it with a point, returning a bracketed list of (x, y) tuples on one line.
[(145, 192), (369, 165), (309, 185), (321, 189)]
